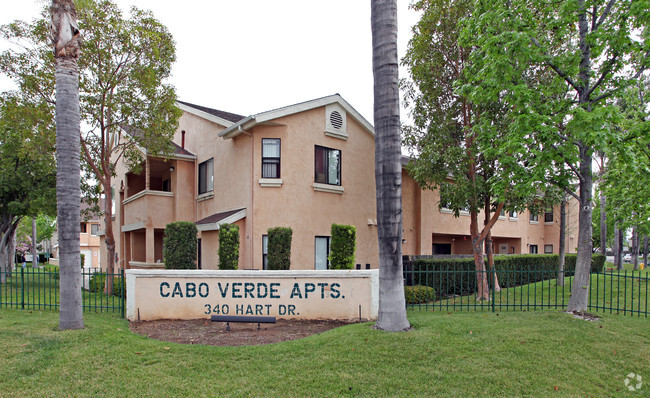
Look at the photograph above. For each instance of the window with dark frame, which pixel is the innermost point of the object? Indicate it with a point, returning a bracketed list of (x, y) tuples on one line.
[(206, 176), (533, 249), (327, 166), (548, 216), (83, 228), (271, 158), (512, 214), (548, 249), (94, 229), (534, 217)]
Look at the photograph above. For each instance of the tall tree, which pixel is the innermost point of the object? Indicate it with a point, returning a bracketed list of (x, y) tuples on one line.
[(122, 88), (388, 166), (590, 49), (27, 170), (67, 47)]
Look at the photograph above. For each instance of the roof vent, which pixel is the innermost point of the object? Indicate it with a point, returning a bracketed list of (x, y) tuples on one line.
[(336, 120)]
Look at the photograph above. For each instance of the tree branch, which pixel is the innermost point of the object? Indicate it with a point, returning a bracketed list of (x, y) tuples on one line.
[(557, 70)]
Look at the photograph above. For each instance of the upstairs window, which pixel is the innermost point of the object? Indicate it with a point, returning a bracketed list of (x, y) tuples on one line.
[(534, 217), (270, 158), (512, 214), (94, 229), (327, 166), (206, 176), (83, 228), (548, 216)]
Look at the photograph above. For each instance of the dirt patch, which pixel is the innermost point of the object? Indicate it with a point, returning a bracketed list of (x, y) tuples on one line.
[(584, 316), (203, 331)]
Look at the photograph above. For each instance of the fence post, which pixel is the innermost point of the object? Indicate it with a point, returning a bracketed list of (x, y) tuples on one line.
[(22, 288), (123, 291), (494, 275)]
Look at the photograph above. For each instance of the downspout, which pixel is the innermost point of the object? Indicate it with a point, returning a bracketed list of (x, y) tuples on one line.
[(250, 212)]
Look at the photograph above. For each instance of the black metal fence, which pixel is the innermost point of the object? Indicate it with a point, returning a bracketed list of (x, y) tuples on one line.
[(38, 289), (620, 292)]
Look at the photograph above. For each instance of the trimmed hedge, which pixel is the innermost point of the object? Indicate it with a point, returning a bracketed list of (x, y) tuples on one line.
[(419, 294), (228, 246), (279, 248), (98, 282), (458, 276), (342, 247), (180, 245)]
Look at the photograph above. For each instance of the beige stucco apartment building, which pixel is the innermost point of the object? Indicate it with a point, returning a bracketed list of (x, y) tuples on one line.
[(303, 166)]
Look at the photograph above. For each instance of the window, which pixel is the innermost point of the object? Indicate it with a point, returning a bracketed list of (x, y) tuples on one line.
[(512, 214), (321, 262), (548, 249), (327, 166), (534, 217), (503, 213), (270, 158), (548, 215), (265, 251), (94, 229), (533, 249), (83, 228), (206, 176), (198, 254)]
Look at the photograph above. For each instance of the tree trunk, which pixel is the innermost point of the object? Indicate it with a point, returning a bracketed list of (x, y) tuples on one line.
[(11, 264), (580, 288), (635, 248), (489, 246), (388, 167), (34, 244), (66, 48), (620, 239), (603, 224), (562, 245), (645, 251), (109, 239), (482, 287)]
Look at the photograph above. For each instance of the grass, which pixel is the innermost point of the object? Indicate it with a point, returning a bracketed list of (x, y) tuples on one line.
[(447, 354), (623, 292)]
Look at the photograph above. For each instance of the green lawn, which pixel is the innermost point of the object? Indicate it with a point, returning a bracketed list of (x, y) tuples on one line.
[(447, 354)]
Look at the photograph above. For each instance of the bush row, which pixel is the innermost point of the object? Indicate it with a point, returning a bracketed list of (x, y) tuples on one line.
[(450, 277), (98, 282)]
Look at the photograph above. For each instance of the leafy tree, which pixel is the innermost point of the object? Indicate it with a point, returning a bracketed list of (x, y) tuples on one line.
[(555, 65), (388, 167), (66, 45), (27, 169), (122, 89)]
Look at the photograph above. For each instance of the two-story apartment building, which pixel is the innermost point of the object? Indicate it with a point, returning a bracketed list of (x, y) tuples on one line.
[(303, 166)]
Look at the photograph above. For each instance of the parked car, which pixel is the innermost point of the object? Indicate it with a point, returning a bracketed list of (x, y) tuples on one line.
[(627, 258)]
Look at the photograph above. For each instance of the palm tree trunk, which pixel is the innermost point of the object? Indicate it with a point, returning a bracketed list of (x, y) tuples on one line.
[(66, 48), (388, 166)]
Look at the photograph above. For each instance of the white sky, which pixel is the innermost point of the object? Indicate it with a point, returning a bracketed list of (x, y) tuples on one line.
[(250, 56)]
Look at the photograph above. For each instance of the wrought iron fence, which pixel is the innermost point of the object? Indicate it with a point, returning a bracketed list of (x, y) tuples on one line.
[(617, 292), (38, 289)]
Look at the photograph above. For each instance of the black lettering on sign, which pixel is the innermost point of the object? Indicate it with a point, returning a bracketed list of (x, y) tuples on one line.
[(259, 290), (282, 309), (239, 309), (163, 294), (190, 290), (290, 309), (177, 290), (235, 290), (335, 292), (204, 290), (223, 290), (296, 291), (309, 288), (322, 289), (249, 288), (274, 291)]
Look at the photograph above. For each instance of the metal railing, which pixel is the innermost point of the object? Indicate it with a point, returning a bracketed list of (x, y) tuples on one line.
[(616, 292), (39, 289)]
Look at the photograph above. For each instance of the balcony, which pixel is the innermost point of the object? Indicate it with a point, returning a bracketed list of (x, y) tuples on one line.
[(148, 208)]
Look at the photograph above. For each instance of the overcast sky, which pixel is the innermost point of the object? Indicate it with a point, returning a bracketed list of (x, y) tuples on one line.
[(250, 56)]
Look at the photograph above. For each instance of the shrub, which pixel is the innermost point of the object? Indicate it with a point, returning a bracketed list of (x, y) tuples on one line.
[(83, 257), (458, 276), (343, 245), (180, 245), (419, 294), (97, 283), (228, 246), (279, 248), (119, 286)]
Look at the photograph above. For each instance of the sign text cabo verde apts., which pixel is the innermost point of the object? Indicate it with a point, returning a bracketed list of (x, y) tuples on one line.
[(193, 294)]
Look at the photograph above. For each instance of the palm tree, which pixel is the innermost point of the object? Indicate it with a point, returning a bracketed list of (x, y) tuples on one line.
[(388, 166), (66, 41)]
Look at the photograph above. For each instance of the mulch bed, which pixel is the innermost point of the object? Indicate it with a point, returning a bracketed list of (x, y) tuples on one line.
[(203, 331)]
